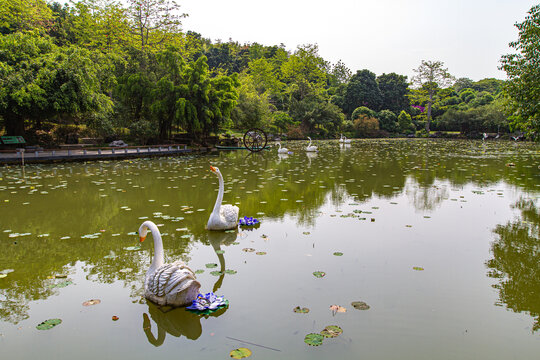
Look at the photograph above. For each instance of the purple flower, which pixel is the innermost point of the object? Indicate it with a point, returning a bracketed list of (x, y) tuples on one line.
[(248, 221), (208, 303)]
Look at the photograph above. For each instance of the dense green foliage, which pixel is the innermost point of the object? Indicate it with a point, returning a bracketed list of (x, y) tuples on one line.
[(129, 70), (523, 70)]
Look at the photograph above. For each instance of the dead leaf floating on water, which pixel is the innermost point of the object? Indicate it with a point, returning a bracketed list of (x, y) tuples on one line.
[(360, 305), (300, 310), (248, 249), (331, 331), (91, 302)]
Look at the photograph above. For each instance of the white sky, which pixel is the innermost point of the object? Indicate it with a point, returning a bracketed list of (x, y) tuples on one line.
[(383, 36)]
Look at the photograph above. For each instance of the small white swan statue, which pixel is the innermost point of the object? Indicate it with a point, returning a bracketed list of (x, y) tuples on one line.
[(282, 150), (167, 284), (311, 148), (223, 217)]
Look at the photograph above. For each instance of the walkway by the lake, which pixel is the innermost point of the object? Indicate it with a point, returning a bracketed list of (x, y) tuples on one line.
[(88, 154)]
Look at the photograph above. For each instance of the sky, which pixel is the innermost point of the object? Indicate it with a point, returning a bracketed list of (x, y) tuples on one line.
[(383, 36)]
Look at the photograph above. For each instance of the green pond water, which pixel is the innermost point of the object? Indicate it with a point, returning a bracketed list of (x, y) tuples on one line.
[(439, 238)]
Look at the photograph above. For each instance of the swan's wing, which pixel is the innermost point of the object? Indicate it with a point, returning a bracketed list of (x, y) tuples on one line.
[(168, 278), (229, 213)]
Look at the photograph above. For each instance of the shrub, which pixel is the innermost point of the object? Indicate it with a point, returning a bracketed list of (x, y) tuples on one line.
[(405, 123), (387, 120), (366, 126), (295, 132), (362, 110)]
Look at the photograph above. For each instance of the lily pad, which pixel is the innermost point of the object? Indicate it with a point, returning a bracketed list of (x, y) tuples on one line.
[(331, 331), (319, 274), (314, 339), (230, 272), (240, 353), (300, 310), (91, 302), (248, 249), (337, 253), (418, 268), (211, 265), (306, 233), (360, 305), (220, 251), (260, 253), (48, 324), (216, 273), (200, 271), (133, 248)]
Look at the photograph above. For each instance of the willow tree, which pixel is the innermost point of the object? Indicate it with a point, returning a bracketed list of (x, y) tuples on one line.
[(430, 76)]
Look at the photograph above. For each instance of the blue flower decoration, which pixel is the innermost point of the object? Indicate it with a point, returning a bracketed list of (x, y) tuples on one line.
[(208, 303), (248, 221)]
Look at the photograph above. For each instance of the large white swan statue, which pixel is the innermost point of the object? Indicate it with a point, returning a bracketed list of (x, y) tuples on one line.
[(223, 217), (341, 139), (282, 150), (310, 147), (167, 284), (346, 141)]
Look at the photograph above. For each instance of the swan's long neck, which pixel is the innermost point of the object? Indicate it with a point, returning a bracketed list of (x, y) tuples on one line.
[(219, 199), (279, 146), (309, 142), (158, 245)]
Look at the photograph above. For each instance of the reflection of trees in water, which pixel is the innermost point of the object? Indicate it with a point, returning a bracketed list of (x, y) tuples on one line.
[(370, 168), (515, 263), (425, 198)]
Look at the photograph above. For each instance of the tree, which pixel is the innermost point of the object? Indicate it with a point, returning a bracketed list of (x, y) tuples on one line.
[(430, 76), (24, 15), (304, 72), (394, 89), (41, 81), (154, 20), (523, 71), (362, 90), (405, 123), (387, 120), (366, 126)]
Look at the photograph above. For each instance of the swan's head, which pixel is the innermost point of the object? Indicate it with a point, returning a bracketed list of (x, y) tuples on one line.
[(215, 170), (143, 231)]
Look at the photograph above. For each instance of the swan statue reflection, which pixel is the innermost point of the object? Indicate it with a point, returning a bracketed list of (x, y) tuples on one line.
[(176, 322), (223, 217), (311, 148), (167, 284), (282, 150)]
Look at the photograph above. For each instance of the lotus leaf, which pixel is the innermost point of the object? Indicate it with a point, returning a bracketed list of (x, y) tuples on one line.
[(48, 324), (240, 353), (216, 273), (418, 268), (91, 302), (300, 310), (360, 305), (314, 339), (319, 274), (337, 253), (230, 272), (331, 331)]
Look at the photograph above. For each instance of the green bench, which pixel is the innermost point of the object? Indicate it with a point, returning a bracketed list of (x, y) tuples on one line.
[(12, 140)]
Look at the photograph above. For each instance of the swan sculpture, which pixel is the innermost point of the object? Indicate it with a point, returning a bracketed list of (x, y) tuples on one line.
[(346, 141), (282, 150), (341, 138), (167, 284), (311, 148), (223, 217)]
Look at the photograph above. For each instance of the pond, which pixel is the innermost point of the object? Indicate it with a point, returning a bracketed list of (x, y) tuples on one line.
[(439, 239)]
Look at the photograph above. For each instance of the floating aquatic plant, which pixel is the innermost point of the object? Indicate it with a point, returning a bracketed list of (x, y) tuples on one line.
[(300, 310), (331, 331), (240, 353), (248, 221), (360, 305), (207, 303), (314, 339), (48, 324)]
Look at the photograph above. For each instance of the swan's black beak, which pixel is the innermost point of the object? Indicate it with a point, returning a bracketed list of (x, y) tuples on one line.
[(141, 238)]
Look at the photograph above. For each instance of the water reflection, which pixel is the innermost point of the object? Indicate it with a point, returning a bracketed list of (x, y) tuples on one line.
[(216, 239), (176, 322), (515, 263)]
